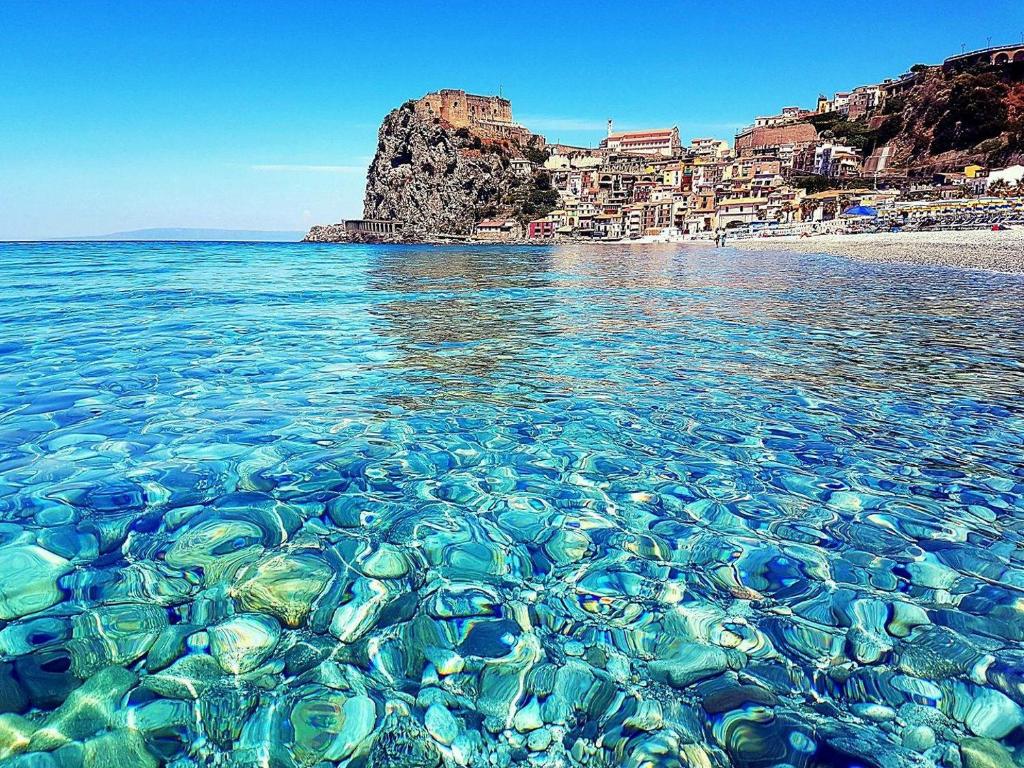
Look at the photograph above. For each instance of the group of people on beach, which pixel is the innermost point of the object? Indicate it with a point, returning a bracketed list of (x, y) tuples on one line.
[(720, 237)]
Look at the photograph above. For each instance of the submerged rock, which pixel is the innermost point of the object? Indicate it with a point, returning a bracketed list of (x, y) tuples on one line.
[(28, 579), (441, 724), (285, 586), (15, 735), (123, 748), (329, 726), (984, 753), (188, 678), (359, 614), (697, 663), (114, 634), (87, 710), (403, 743), (919, 738), (243, 642)]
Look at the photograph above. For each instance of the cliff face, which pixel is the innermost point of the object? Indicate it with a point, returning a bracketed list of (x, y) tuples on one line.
[(944, 121), (436, 179)]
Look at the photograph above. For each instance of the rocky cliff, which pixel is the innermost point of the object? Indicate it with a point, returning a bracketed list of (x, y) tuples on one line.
[(944, 120), (436, 179), (950, 119)]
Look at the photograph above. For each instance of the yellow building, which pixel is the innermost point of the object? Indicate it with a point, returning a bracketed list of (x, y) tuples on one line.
[(972, 171)]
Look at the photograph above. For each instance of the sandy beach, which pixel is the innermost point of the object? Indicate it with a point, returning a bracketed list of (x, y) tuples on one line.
[(974, 249)]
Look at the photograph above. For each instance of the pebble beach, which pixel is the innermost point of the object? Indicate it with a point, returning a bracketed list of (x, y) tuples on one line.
[(974, 249)]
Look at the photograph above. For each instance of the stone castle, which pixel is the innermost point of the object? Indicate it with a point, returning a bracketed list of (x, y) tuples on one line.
[(489, 117)]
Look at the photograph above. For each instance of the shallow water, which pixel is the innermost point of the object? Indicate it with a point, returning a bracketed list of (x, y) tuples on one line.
[(291, 504)]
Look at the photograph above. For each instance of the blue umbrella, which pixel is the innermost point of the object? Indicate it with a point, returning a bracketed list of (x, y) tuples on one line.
[(860, 210)]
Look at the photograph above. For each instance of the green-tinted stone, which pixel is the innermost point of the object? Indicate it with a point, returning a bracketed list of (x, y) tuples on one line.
[(87, 710), (441, 724), (217, 547), (114, 635), (919, 738), (123, 749), (70, 755), (463, 601), (984, 753), (163, 717), (385, 562), (539, 740), (168, 646), (647, 717), (224, 710), (528, 718), (241, 643), (28, 579), (285, 586), (359, 614), (402, 743), (15, 734), (329, 726), (188, 678), (698, 663)]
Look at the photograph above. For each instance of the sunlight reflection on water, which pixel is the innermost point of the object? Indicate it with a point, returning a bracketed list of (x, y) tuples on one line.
[(553, 506)]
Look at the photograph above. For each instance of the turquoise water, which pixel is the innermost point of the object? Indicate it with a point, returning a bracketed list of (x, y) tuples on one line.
[(290, 505)]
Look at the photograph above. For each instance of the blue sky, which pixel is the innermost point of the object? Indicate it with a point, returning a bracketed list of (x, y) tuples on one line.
[(263, 115)]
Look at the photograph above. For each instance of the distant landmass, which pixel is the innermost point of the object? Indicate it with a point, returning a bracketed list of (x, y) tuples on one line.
[(186, 233)]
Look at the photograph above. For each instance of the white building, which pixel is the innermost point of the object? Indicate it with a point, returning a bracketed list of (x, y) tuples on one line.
[(1014, 174), (836, 160), (656, 141)]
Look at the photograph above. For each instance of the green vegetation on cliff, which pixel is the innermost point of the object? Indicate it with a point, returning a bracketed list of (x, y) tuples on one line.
[(945, 119)]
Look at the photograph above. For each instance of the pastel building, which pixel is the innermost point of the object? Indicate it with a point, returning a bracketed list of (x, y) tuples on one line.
[(655, 141)]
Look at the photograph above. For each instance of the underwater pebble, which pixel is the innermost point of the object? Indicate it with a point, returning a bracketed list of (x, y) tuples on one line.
[(441, 724), (538, 741), (984, 753), (28, 580), (699, 664), (919, 738), (15, 734), (241, 643), (87, 710), (284, 586), (121, 748)]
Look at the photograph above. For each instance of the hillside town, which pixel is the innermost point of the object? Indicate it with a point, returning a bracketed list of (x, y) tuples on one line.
[(647, 184), (835, 166)]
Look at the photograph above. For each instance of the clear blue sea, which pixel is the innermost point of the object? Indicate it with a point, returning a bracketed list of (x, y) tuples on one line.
[(299, 505)]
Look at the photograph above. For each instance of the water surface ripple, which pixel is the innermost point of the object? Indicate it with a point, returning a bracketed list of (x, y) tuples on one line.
[(296, 505)]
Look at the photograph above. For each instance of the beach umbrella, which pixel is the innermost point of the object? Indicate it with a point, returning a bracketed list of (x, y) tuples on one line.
[(860, 210)]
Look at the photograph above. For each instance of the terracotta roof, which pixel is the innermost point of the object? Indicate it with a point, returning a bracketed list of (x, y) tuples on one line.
[(659, 132)]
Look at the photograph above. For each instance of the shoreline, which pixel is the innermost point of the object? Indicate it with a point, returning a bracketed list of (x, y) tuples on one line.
[(961, 249), (1001, 251)]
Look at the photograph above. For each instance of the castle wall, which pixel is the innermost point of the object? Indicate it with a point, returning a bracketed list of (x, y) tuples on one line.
[(489, 117), (465, 110)]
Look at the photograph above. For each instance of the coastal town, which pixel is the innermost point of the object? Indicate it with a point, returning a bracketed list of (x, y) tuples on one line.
[(822, 169)]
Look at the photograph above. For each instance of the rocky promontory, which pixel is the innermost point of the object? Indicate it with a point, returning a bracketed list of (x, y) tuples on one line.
[(435, 179), (439, 169)]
